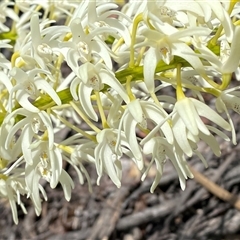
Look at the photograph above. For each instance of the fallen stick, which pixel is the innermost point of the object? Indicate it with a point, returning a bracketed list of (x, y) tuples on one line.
[(216, 189)]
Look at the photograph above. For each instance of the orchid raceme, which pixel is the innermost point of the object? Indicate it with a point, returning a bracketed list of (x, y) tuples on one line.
[(130, 81)]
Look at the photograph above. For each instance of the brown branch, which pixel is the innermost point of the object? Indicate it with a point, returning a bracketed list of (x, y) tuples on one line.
[(216, 189)]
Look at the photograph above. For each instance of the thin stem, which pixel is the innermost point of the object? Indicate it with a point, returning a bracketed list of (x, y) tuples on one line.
[(65, 148), (155, 99), (101, 111), (70, 125), (180, 94), (129, 89), (140, 56), (137, 20), (118, 44), (14, 57), (84, 117), (226, 79), (210, 81)]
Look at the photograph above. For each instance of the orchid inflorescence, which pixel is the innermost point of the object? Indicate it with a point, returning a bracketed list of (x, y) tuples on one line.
[(109, 67)]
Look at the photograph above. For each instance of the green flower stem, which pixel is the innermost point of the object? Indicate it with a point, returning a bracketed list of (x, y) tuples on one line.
[(128, 74), (65, 148), (226, 79), (210, 81), (70, 125), (137, 20), (101, 111), (179, 92), (129, 89), (9, 35), (84, 117)]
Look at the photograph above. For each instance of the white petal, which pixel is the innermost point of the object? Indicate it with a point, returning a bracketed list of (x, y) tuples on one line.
[(44, 85), (84, 94), (56, 165), (135, 110), (233, 61), (177, 166), (13, 130), (48, 124), (187, 112), (111, 169), (67, 184), (212, 143), (27, 136), (179, 130), (23, 99), (207, 112), (113, 82), (32, 181), (12, 202), (4, 79), (154, 114), (101, 49), (158, 176), (73, 88), (129, 128), (184, 51), (201, 157), (35, 31), (150, 62), (186, 5)]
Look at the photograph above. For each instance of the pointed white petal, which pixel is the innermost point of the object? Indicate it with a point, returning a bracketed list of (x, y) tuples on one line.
[(73, 88), (129, 127), (67, 184), (113, 82), (154, 114), (101, 49), (135, 110), (111, 169), (35, 31), (45, 86), (177, 166), (84, 94), (233, 61), (179, 131), (207, 112), (14, 130), (22, 98), (212, 143), (150, 62), (184, 51), (25, 144), (48, 124), (201, 158), (158, 176), (56, 164), (187, 112)]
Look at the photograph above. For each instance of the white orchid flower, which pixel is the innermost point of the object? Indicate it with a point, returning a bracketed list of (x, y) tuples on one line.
[(93, 77), (30, 126), (161, 150), (107, 157), (12, 188), (28, 85), (186, 117), (228, 61), (165, 47), (137, 112), (83, 47)]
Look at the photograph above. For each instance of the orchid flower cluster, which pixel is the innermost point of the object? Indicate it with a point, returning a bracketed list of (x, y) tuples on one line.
[(129, 80)]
